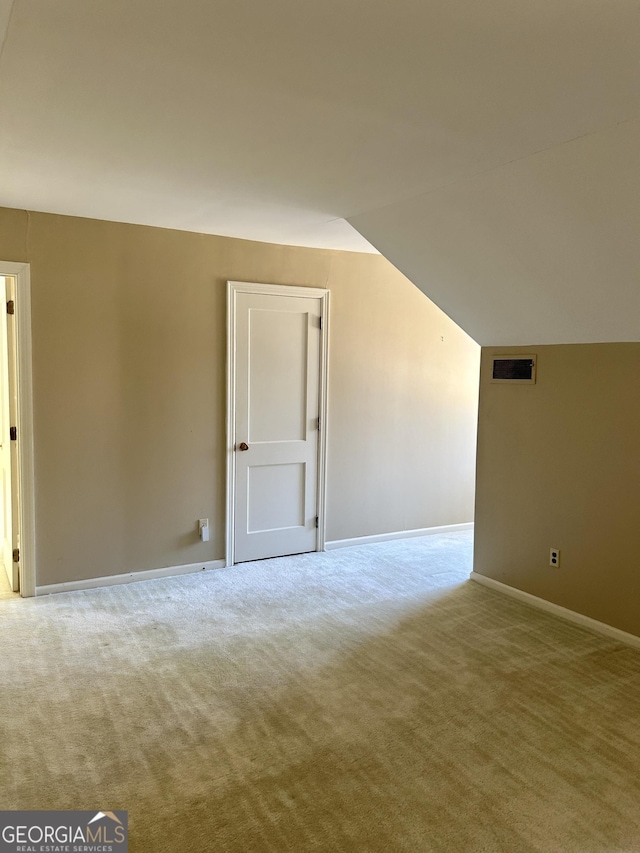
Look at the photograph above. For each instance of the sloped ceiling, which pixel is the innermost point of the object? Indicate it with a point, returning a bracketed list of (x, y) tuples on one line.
[(490, 150), (542, 250)]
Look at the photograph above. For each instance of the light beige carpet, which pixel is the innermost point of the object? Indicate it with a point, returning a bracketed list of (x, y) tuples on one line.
[(368, 699)]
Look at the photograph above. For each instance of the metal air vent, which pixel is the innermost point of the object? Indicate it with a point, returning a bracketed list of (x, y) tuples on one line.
[(519, 369)]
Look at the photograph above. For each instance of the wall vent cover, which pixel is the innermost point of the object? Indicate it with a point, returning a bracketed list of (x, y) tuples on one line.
[(513, 369)]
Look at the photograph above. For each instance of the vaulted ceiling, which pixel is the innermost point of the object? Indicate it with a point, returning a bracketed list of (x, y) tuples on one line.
[(490, 150)]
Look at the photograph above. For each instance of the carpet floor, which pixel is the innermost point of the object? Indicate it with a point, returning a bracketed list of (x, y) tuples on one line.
[(368, 699)]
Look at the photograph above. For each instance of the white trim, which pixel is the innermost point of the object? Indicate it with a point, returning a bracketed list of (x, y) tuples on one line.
[(233, 288), (398, 534), (277, 289), (27, 515), (130, 577), (230, 487), (559, 611), (324, 421)]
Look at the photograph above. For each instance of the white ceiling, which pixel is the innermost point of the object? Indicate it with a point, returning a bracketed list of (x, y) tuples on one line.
[(491, 150)]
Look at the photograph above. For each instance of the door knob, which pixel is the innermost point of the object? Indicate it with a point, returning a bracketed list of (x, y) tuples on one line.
[(243, 446)]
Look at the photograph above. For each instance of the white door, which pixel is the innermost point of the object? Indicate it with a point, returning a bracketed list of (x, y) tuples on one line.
[(277, 408), (6, 530)]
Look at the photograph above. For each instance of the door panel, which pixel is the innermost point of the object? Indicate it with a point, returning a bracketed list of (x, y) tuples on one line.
[(287, 481), (277, 373), (277, 384)]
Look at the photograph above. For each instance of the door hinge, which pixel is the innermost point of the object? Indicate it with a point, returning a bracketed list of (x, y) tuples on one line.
[(16, 555), (318, 423), (11, 307), (317, 521), (13, 433)]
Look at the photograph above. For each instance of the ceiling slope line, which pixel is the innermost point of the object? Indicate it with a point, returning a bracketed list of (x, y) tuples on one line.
[(5, 34), (473, 175)]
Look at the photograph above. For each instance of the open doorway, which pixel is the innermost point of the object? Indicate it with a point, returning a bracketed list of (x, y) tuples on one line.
[(17, 529), (9, 480)]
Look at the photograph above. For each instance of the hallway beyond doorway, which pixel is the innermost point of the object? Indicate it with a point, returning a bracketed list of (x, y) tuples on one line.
[(5, 589)]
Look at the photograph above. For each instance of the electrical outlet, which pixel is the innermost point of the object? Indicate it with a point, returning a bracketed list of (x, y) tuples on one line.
[(554, 557), (203, 529)]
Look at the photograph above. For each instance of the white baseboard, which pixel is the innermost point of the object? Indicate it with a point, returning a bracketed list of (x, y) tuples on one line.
[(562, 612), (398, 534), (129, 577)]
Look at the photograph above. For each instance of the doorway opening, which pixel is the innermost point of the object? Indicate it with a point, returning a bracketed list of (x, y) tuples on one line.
[(17, 515), (277, 360), (9, 492)]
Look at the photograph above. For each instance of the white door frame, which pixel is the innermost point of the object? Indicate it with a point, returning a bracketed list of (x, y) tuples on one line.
[(233, 288), (26, 511)]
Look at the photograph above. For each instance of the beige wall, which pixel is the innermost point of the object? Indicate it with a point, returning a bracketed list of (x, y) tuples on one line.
[(129, 391), (559, 466)]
